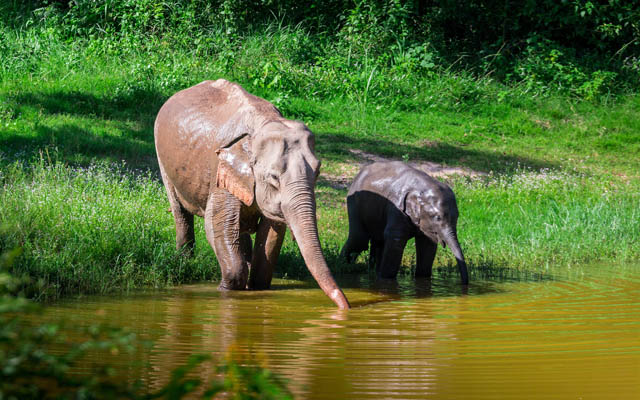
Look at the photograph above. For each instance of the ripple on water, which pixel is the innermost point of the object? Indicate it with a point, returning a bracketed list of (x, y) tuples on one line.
[(568, 337)]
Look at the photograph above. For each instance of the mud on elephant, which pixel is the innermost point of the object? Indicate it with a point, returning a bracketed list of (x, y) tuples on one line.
[(389, 203), (231, 158)]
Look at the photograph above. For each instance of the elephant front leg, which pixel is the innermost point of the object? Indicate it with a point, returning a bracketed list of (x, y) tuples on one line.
[(356, 243), (425, 254), (233, 249), (269, 238), (391, 256)]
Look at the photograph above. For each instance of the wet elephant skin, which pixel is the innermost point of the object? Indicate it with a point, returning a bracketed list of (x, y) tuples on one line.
[(391, 202), (233, 159)]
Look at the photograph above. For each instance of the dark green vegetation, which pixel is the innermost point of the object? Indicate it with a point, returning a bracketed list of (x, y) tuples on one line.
[(543, 102)]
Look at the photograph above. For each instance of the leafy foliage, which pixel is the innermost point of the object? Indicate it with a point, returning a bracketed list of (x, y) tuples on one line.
[(591, 47)]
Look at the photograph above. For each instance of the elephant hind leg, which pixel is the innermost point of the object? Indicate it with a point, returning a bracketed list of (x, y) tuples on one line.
[(375, 255), (356, 243), (358, 240), (185, 235)]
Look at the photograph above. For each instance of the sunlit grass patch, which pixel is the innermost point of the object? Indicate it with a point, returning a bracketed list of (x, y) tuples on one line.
[(531, 221), (92, 229), (535, 219)]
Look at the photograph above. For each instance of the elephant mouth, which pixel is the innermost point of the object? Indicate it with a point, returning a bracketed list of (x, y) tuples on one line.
[(437, 238), (270, 212), (433, 236), (274, 217)]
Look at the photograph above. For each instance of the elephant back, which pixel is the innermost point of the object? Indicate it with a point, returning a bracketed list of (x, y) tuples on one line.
[(196, 122)]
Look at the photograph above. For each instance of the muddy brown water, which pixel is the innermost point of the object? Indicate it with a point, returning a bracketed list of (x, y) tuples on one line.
[(574, 335)]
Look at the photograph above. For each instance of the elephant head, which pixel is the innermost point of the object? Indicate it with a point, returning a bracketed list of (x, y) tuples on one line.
[(435, 212), (275, 167)]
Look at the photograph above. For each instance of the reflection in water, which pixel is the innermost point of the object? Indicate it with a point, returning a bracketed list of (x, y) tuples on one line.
[(576, 336)]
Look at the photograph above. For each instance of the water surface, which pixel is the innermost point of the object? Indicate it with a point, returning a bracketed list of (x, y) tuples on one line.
[(570, 337)]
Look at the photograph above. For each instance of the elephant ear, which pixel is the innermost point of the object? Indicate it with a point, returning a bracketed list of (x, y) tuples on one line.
[(235, 173), (411, 206)]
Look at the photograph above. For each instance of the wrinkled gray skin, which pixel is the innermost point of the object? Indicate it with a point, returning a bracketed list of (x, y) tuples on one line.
[(391, 202), (231, 158)]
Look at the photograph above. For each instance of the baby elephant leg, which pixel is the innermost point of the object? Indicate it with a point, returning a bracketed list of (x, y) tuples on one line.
[(425, 254), (354, 245), (375, 254), (358, 240), (391, 256)]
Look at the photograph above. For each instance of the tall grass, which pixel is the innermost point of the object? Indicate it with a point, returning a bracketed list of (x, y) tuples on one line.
[(103, 228), (92, 229), (543, 219)]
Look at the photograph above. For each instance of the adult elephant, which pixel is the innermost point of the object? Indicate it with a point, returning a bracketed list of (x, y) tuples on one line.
[(233, 159)]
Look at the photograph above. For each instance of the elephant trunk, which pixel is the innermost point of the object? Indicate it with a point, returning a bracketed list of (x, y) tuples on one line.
[(300, 213), (451, 239)]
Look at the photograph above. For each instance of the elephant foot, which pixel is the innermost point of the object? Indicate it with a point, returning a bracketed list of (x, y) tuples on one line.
[(226, 286), (223, 287), (386, 274)]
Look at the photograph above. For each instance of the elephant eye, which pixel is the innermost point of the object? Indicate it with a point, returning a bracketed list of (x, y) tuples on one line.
[(272, 179)]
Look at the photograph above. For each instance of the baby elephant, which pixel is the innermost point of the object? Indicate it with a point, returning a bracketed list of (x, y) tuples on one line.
[(391, 202)]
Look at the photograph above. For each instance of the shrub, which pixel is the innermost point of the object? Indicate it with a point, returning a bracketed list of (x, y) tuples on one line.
[(584, 47)]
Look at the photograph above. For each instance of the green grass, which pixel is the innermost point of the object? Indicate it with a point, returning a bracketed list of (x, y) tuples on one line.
[(80, 189), (92, 229)]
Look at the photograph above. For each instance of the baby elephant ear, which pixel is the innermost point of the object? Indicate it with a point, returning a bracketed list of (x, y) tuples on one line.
[(235, 173), (411, 207)]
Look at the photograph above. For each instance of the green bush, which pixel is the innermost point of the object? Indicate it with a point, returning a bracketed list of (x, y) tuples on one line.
[(545, 66), (587, 48)]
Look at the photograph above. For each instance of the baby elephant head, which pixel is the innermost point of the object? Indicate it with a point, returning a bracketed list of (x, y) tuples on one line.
[(434, 211)]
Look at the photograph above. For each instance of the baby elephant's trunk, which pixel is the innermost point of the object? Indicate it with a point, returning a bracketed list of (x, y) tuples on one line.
[(451, 240)]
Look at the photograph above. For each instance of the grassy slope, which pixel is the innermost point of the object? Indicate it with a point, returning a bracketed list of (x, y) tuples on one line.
[(563, 184)]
